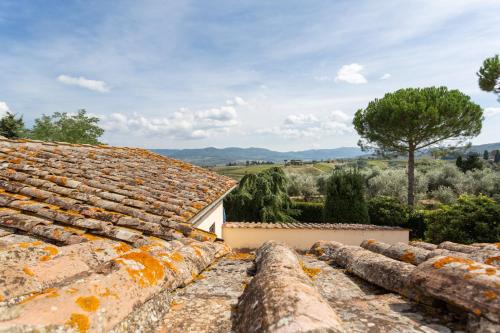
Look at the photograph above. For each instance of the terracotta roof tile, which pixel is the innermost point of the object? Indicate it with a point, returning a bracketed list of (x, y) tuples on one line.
[(102, 190)]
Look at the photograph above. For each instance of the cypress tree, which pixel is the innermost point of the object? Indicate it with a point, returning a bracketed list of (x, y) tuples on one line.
[(486, 155)]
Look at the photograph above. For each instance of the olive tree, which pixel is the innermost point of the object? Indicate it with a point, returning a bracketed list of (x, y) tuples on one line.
[(411, 119)]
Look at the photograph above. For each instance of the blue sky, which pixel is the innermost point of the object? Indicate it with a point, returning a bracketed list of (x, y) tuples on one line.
[(285, 75)]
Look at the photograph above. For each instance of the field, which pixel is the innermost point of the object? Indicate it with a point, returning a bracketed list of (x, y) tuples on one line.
[(237, 172)]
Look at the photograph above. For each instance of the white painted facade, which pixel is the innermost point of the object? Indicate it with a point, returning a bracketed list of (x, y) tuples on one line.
[(212, 220)]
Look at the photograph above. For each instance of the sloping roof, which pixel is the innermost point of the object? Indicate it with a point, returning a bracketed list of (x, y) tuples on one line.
[(64, 192), (300, 225), (87, 247)]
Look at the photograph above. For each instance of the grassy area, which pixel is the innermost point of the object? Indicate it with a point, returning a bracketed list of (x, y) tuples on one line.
[(325, 167), (237, 172)]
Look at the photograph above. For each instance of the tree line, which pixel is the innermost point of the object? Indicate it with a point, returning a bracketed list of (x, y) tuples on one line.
[(61, 127)]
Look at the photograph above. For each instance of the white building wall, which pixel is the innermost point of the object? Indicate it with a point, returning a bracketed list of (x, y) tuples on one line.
[(216, 216)]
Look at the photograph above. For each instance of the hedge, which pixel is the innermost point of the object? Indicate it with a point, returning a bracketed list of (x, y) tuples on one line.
[(308, 211)]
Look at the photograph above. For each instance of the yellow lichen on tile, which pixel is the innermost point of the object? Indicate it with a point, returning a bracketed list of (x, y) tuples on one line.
[(311, 271), (88, 303), (490, 295), (28, 271), (79, 321), (142, 267), (448, 260), (408, 257)]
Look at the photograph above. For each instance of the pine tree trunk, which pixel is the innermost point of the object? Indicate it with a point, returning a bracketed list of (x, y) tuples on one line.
[(411, 177)]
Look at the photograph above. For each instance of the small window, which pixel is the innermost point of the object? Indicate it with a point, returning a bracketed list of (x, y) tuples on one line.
[(212, 228)]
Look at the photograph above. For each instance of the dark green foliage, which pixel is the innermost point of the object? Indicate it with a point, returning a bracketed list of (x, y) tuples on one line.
[(260, 197), (388, 211), (489, 75), (497, 156), (416, 223), (459, 162), (472, 162), (472, 219), (64, 127), (321, 185), (410, 119), (308, 211), (486, 155), (12, 127), (345, 200)]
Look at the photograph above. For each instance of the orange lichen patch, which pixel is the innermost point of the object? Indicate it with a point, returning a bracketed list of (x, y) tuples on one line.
[(197, 205), (142, 267), (473, 267), (15, 160), (25, 245), (490, 295), (197, 251), (491, 260), (17, 196), (71, 290), (122, 248), (490, 271), (51, 250), (176, 256), (108, 293), (477, 312), (58, 180), (28, 271), (448, 260), (408, 257), (51, 292), (45, 258), (139, 181), (88, 303), (169, 265), (371, 241), (310, 271), (2, 298), (91, 237), (79, 321), (241, 256)]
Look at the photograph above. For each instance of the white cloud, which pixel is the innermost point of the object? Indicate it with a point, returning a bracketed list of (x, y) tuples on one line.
[(95, 85), (309, 125), (4, 108), (182, 124), (491, 111), (238, 101), (385, 76), (351, 74)]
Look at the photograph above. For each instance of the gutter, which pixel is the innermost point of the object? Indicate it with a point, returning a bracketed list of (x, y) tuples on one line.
[(208, 209)]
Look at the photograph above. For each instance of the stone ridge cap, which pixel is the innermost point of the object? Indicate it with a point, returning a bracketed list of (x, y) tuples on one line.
[(307, 225)]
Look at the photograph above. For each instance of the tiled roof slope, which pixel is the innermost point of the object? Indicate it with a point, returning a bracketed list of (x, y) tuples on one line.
[(64, 192), (300, 225)]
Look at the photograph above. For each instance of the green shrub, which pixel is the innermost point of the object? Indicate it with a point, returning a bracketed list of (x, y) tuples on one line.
[(260, 197), (416, 223), (308, 211), (388, 211), (345, 201), (471, 219)]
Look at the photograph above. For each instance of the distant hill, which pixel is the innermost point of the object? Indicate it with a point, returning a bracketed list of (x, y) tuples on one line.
[(218, 156), (222, 156)]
